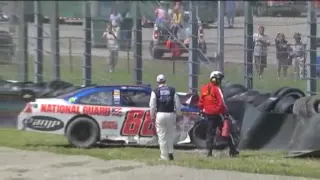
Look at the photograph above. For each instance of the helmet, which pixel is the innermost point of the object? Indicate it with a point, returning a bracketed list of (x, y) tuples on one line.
[(216, 76)]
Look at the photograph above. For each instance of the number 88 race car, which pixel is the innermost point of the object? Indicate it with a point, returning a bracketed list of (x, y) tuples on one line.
[(117, 113)]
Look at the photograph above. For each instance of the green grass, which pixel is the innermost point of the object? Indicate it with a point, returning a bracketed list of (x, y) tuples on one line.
[(248, 161), (71, 70)]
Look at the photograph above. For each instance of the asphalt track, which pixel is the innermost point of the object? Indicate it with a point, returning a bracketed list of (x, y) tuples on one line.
[(234, 38)]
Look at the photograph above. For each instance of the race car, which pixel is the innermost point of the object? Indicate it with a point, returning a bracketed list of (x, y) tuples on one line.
[(113, 113)]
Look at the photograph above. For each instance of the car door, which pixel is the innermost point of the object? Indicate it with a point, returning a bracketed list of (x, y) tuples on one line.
[(98, 104), (135, 107)]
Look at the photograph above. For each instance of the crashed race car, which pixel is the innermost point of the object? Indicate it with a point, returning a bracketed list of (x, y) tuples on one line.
[(110, 113), (163, 41)]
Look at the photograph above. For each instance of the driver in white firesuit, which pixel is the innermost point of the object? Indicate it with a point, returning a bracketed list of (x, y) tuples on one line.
[(164, 108)]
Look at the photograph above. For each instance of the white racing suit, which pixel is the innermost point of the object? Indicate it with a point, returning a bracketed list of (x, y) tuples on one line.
[(165, 123)]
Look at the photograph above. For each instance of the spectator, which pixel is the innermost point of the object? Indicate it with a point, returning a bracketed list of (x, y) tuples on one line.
[(261, 43), (298, 57), (230, 12), (115, 19), (282, 49), (177, 18), (112, 41), (161, 15)]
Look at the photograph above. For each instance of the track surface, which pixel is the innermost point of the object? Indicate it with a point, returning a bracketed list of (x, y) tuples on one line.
[(234, 38), (28, 165)]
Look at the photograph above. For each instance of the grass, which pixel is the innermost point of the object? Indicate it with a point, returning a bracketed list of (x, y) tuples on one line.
[(176, 72), (248, 161)]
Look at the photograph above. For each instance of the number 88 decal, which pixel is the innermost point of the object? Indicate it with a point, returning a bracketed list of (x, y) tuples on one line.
[(138, 122)]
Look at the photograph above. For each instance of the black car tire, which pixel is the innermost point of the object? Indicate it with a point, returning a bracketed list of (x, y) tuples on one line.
[(155, 53), (290, 92), (260, 98), (284, 105), (198, 135), (232, 90), (300, 107), (83, 132), (313, 105)]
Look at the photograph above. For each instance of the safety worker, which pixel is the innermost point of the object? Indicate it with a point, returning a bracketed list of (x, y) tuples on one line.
[(213, 108), (164, 108)]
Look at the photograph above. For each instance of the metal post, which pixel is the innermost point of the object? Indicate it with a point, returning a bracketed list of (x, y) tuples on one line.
[(23, 43), (55, 48), (221, 34), (312, 44), (38, 69), (248, 42), (87, 51), (193, 50), (137, 39)]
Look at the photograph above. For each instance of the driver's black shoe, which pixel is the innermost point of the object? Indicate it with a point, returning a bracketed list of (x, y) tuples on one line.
[(233, 153), (209, 153)]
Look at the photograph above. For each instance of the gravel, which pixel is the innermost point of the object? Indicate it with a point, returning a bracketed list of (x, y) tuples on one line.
[(29, 165)]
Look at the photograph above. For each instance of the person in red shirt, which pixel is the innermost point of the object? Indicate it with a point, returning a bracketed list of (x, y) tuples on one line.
[(213, 109)]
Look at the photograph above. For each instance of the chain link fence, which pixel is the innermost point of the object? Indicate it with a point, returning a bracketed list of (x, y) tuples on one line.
[(15, 64)]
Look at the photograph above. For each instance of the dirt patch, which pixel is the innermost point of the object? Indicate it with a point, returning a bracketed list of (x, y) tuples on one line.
[(30, 165)]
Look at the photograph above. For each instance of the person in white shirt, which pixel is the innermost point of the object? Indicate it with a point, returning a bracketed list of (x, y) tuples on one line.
[(261, 44), (115, 19), (112, 43), (164, 108)]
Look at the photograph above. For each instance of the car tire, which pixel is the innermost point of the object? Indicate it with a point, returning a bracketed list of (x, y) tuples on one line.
[(83, 132), (155, 53), (313, 105), (233, 89), (198, 135), (284, 105), (290, 92), (300, 107), (260, 98)]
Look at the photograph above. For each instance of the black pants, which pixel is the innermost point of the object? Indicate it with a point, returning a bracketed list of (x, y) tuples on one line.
[(213, 122)]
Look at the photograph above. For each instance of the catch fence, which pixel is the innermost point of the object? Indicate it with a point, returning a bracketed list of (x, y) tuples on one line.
[(32, 55)]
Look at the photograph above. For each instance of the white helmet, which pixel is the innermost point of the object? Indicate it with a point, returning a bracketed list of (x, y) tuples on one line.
[(217, 75)]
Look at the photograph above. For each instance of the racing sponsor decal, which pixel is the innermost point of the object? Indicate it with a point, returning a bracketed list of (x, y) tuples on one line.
[(116, 96), (138, 122), (109, 125), (116, 112), (75, 109), (43, 123), (62, 109), (96, 110)]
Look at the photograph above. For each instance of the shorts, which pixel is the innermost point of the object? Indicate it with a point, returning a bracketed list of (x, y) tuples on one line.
[(283, 62), (260, 61)]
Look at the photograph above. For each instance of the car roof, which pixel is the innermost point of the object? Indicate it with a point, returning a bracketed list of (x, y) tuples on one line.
[(93, 88)]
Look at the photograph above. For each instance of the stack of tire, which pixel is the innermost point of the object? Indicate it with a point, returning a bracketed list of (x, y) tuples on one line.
[(281, 120)]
